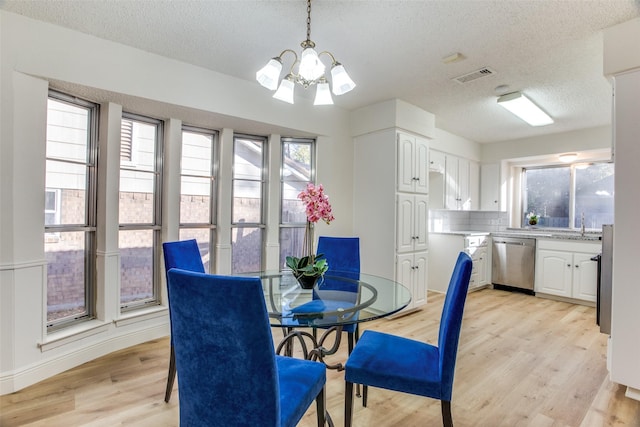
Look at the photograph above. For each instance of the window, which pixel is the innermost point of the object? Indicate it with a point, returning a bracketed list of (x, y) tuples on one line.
[(247, 217), (70, 209), (139, 212), (562, 196), (198, 190), (298, 159)]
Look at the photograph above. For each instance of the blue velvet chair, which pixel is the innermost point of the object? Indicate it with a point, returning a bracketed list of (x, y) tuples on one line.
[(343, 257), (183, 254), (401, 364), (229, 372)]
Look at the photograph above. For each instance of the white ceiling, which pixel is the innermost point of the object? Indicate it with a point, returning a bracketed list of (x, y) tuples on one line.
[(549, 49)]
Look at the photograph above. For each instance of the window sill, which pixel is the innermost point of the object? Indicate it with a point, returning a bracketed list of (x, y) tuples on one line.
[(73, 333), (136, 316)]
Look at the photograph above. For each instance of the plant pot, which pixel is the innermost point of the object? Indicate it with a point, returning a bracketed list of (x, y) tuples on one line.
[(307, 282), (533, 221)]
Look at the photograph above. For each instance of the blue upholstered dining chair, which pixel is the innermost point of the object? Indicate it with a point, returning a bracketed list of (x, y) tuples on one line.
[(343, 256), (401, 364), (229, 372), (183, 254)]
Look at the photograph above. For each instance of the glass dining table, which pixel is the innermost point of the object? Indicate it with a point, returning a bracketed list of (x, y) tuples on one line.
[(336, 300)]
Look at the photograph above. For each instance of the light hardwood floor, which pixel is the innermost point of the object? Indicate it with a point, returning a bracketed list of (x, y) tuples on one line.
[(522, 361)]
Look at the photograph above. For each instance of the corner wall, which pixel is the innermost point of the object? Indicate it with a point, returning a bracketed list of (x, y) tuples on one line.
[(35, 56)]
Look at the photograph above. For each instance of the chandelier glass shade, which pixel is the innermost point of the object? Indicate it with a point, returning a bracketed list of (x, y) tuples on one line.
[(310, 71)]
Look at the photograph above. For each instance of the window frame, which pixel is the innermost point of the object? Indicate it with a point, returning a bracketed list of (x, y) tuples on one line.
[(211, 225), (572, 191), (312, 179), (156, 225), (263, 195), (89, 228)]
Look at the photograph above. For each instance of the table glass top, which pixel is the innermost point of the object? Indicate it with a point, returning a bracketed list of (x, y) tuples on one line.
[(333, 301)]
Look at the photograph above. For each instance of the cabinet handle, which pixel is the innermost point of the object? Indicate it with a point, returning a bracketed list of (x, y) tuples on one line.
[(569, 265), (577, 266)]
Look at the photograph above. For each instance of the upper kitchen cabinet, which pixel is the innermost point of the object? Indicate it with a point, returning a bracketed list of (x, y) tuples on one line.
[(454, 182), (490, 187), (436, 161), (413, 164)]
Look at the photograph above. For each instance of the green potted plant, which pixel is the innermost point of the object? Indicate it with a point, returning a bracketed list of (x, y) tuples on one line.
[(306, 271), (533, 218)]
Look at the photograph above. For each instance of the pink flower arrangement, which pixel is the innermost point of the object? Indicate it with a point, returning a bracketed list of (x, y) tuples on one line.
[(317, 204)]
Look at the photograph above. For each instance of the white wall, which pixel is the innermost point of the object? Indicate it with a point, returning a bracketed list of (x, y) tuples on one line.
[(622, 60), (36, 56), (453, 144), (597, 138)]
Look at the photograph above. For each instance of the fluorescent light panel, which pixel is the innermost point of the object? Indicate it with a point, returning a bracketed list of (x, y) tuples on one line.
[(525, 109)]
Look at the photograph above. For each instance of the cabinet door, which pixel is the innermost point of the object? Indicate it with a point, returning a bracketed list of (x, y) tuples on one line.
[(436, 161), (480, 260), (490, 187), (451, 182), (406, 160), (404, 223), (554, 272), (404, 274), (464, 197), (421, 223), (585, 277), (421, 166), (474, 186), (420, 274)]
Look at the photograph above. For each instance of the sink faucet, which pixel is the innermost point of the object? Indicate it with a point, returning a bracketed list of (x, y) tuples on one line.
[(582, 224)]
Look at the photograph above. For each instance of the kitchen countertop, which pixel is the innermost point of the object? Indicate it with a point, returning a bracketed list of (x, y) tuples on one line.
[(463, 233), (530, 234), (549, 234)]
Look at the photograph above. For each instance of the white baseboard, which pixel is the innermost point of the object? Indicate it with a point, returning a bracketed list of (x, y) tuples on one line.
[(16, 380), (632, 393)]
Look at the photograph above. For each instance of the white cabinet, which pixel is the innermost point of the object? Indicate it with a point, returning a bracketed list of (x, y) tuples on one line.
[(476, 247), (490, 187), (565, 268), (436, 161), (460, 184), (412, 223), (412, 272), (413, 164), (443, 253), (391, 208)]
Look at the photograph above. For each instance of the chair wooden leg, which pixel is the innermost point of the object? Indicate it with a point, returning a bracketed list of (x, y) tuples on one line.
[(321, 408), (348, 404), (171, 376), (447, 421)]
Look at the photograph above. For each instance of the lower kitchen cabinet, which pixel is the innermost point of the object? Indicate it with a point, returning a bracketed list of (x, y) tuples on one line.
[(412, 273), (443, 252), (565, 268)]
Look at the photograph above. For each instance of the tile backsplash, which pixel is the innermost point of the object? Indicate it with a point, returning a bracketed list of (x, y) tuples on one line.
[(446, 220)]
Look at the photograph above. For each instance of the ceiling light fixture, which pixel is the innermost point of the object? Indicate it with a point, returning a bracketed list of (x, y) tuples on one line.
[(525, 109), (310, 71), (568, 158)]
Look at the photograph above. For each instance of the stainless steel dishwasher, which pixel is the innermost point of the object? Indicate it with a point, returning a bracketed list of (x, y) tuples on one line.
[(513, 263)]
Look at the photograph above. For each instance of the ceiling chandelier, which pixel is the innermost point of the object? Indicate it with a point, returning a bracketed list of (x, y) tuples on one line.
[(311, 71)]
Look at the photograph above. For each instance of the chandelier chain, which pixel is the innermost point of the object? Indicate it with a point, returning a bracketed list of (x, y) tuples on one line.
[(308, 20)]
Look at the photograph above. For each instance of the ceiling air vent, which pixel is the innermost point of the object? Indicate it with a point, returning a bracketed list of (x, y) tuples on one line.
[(474, 75)]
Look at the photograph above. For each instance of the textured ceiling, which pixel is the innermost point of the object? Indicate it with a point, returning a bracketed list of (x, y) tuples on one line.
[(549, 49)]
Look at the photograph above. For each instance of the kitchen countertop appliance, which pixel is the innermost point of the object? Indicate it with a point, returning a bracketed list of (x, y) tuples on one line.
[(513, 263)]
